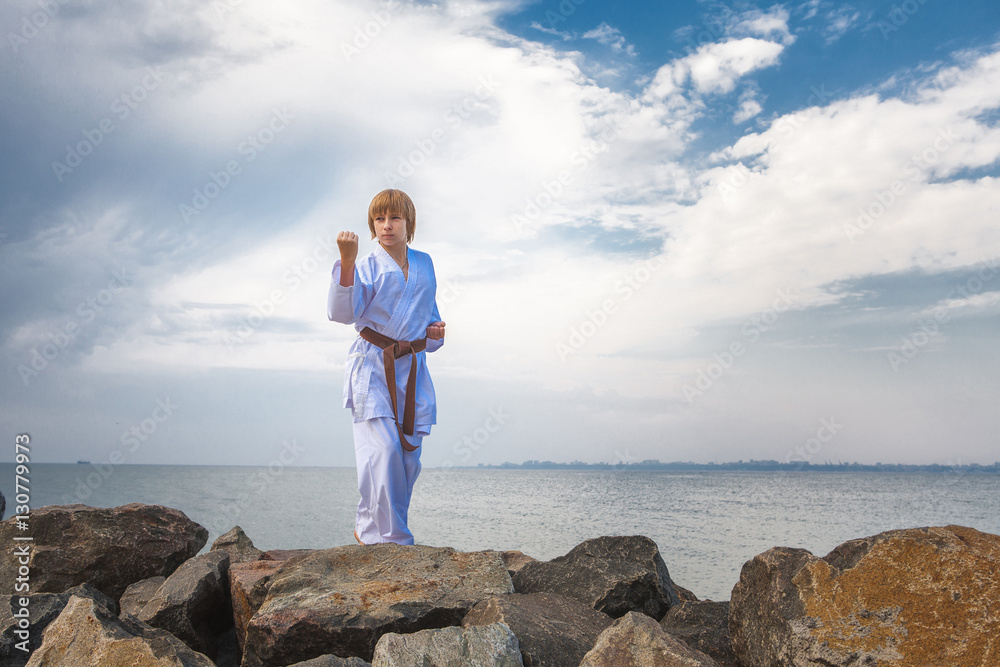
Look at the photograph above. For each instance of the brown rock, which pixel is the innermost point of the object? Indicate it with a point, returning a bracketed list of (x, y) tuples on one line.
[(43, 608), (552, 630), (614, 575), (74, 544), (922, 596), (332, 661), (247, 589), (636, 640), (515, 560), (704, 626), (239, 547), (342, 600), (87, 634)]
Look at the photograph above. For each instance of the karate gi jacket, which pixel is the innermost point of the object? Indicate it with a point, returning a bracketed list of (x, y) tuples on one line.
[(397, 307)]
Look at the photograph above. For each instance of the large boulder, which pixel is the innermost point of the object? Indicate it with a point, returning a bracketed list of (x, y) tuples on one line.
[(551, 629), (247, 590), (491, 645), (341, 600), (636, 640), (331, 660), (193, 602), (41, 610), (139, 594), (110, 548), (921, 596), (85, 633), (239, 547), (614, 575), (704, 626)]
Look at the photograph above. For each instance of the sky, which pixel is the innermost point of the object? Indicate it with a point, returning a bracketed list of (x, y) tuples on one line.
[(685, 231)]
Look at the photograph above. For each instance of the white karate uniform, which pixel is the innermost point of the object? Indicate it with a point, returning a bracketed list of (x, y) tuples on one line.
[(400, 308)]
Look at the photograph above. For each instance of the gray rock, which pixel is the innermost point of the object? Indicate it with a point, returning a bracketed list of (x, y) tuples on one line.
[(87, 634), (193, 602), (139, 594), (552, 630), (704, 626), (342, 600), (920, 596), (636, 640), (239, 547), (43, 608), (332, 661), (74, 544), (614, 575), (491, 645)]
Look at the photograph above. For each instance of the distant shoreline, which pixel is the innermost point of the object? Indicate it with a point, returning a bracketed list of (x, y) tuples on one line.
[(744, 466), (644, 466)]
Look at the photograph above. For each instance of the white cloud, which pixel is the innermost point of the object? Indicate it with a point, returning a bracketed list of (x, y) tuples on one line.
[(609, 36)]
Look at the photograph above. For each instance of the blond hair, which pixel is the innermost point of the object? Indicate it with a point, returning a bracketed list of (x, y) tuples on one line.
[(390, 202)]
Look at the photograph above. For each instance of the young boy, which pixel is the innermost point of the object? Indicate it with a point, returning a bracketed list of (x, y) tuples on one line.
[(389, 297)]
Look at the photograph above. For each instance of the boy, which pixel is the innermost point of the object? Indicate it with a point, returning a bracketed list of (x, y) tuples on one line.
[(389, 297)]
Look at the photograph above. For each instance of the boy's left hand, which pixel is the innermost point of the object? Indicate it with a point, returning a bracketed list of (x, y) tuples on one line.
[(435, 330)]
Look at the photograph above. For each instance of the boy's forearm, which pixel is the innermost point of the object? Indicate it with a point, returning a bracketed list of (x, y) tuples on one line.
[(346, 273)]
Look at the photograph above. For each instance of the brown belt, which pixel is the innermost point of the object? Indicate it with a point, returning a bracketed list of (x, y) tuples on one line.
[(392, 350)]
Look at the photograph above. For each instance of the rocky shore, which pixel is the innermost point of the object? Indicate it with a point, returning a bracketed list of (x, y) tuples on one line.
[(127, 586)]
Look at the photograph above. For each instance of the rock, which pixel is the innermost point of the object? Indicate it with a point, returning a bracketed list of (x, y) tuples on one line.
[(332, 661), (636, 640), (74, 544), (87, 634), (704, 626), (684, 595), (921, 596), (43, 608), (551, 629), (515, 560), (483, 646), (285, 554), (247, 590), (614, 575), (341, 600), (239, 547), (193, 603), (139, 594), (3, 505)]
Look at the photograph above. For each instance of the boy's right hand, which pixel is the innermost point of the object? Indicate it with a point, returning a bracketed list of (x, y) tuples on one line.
[(348, 244)]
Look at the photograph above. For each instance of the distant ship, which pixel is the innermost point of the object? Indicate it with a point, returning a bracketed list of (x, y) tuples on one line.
[(83, 462)]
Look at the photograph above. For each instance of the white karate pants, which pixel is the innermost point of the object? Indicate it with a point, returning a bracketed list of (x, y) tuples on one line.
[(386, 473)]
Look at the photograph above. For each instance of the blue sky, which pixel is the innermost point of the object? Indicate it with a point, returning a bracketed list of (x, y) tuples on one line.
[(683, 231)]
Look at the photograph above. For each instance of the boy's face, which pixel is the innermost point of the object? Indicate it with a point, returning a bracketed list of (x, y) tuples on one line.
[(390, 229)]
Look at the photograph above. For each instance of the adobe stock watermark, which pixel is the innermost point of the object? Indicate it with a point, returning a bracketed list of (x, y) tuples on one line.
[(594, 320), (257, 483), (122, 108), (86, 312), (751, 330), (131, 440), (926, 330), (471, 443), (297, 274), (453, 118), (913, 169), (562, 12), (898, 16), (804, 453), (32, 24), (248, 149), (364, 34), (552, 189)]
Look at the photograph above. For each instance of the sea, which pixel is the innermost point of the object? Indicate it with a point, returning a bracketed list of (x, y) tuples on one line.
[(706, 524)]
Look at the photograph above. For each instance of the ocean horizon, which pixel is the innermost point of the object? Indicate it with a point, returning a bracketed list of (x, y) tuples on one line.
[(705, 523)]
